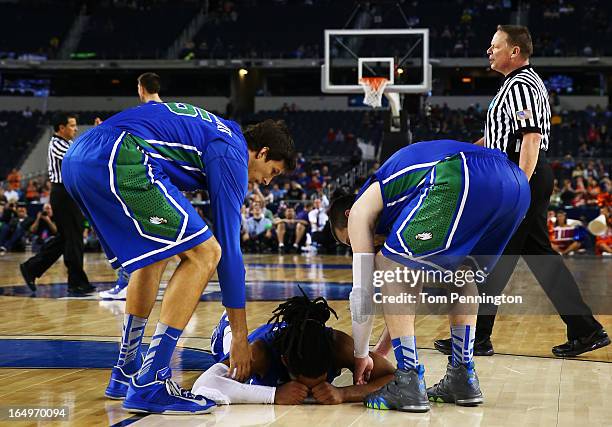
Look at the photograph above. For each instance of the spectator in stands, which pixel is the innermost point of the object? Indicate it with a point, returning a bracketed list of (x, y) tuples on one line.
[(303, 179), (11, 195), (2, 196), (14, 180), (258, 237), (578, 170), (317, 217), (9, 211), (277, 192), (13, 233), (259, 198), (591, 171), (315, 183), (593, 191), (290, 231), (295, 191), (325, 176), (603, 243), (45, 192), (566, 238), (319, 194), (32, 193), (43, 228), (555, 197)]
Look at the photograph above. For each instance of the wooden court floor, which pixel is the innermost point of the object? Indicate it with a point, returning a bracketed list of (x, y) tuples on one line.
[(523, 383)]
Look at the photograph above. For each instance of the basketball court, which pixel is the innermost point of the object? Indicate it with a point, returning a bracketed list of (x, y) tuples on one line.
[(57, 351)]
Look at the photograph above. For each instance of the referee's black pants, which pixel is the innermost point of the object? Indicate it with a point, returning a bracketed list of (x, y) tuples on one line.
[(68, 242), (49, 252), (531, 240)]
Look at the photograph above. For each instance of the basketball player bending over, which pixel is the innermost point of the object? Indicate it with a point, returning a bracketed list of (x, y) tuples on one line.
[(294, 355), (438, 205), (127, 175)]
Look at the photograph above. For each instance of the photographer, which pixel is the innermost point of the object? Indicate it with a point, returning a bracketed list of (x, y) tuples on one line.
[(43, 228), (16, 224)]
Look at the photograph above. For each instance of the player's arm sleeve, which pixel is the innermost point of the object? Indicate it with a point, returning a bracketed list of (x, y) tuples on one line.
[(525, 109), (215, 385), (227, 177)]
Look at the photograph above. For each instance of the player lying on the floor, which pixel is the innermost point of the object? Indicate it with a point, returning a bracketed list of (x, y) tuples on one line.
[(294, 356), (440, 206)]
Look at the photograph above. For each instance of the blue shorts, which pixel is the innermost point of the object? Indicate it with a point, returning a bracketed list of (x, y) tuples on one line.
[(139, 216), (467, 210)]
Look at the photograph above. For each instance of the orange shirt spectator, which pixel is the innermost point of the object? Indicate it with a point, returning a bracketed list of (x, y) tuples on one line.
[(31, 191), (14, 179), (603, 243)]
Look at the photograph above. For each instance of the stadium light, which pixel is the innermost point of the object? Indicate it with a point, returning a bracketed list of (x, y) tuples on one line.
[(243, 72)]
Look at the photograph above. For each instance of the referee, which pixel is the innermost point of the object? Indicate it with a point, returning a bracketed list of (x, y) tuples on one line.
[(518, 123), (67, 216)]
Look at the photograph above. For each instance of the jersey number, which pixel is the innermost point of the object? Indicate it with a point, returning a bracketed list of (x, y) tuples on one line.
[(188, 110)]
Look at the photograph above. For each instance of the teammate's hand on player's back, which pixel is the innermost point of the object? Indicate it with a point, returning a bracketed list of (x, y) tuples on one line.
[(291, 393), (327, 394), (240, 359), (363, 368)]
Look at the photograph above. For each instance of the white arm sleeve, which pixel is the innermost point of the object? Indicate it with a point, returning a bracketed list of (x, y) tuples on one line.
[(214, 385), (361, 302)]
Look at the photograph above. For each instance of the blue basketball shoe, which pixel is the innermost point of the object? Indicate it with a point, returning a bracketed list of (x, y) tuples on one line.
[(118, 383), (164, 396), (119, 292)]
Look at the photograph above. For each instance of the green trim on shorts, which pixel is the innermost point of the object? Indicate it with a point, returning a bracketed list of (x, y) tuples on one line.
[(173, 153), (404, 183), (429, 227), (149, 205)]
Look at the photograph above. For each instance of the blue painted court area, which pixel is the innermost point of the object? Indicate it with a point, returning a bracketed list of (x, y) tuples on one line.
[(44, 353), (304, 266), (260, 290)]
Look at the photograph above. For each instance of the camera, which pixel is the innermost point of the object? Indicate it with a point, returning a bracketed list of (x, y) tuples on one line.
[(44, 213)]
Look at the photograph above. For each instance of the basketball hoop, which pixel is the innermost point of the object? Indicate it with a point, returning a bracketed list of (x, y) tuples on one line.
[(373, 88)]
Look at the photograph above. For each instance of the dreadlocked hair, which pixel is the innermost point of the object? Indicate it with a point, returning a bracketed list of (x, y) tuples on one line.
[(305, 341)]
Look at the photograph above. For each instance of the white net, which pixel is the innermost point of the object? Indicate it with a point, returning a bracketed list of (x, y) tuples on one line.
[(373, 88)]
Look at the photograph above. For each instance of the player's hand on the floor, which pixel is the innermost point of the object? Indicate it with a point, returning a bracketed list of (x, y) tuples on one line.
[(327, 394), (363, 369), (291, 393), (240, 360)]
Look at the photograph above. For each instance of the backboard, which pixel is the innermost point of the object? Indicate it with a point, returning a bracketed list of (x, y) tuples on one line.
[(400, 55)]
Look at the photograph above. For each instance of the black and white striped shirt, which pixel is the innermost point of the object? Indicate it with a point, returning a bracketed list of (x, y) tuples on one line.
[(57, 150), (520, 106)]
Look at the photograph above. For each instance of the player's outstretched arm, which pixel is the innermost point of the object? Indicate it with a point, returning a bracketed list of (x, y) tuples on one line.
[(227, 177), (361, 229)]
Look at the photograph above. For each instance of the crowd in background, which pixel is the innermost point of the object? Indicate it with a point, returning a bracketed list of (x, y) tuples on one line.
[(288, 216)]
